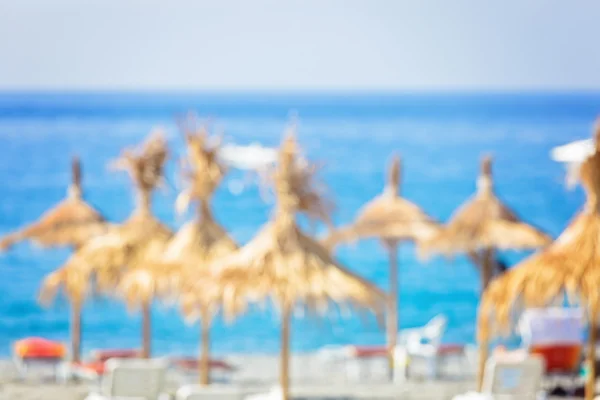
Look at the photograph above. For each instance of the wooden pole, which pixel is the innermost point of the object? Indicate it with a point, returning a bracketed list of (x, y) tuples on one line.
[(487, 265), (285, 353), (146, 329), (483, 356), (392, 304), (591, 356), (205, 352), (76, 331)]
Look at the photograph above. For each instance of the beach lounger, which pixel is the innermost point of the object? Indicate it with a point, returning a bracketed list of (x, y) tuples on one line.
[(137, 379), (216, 392), (35, 351), (106, 354), (511, 378), (220, 370), (556, 334)]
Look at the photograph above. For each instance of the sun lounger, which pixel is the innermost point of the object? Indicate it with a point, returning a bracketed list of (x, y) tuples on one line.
[(216, 392), (35, 351), (107, 354), (510, 377), (556, 334), (137, 379), (220, 370)]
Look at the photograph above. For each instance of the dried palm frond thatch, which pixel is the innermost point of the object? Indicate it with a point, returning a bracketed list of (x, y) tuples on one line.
[(197, 243), (569, 267), (141, 238), (285, 266), (392, 219), (70, 223), (481, 225)]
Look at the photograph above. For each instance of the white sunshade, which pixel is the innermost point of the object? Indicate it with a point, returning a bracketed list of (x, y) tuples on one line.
[(574, 152), (572, 155)]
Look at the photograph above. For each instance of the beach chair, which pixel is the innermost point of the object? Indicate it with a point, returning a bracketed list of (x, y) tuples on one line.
[(511, 378), (423, 343), (216, 392), (36, 351), (89, 371), (137, 379), (187, 367), (556, 334)]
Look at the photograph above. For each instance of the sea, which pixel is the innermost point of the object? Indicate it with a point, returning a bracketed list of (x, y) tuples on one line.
[(440, 138)]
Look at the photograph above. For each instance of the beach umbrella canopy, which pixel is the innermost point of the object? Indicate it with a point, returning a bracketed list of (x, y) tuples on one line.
[(393, 219), (198, 243), (569, 266), (481, 225), (70, 223), (140, 239), (284, 265)]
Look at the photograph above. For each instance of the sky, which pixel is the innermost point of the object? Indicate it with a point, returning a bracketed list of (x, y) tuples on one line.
[(272, 45)]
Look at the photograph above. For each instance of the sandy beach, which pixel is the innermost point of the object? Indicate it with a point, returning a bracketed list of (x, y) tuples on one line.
[(258, 373)]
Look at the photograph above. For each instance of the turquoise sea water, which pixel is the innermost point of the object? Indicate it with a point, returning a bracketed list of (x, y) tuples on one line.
[(440, 138)]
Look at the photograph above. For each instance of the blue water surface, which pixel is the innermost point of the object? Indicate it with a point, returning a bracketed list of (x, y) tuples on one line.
[(440, 138)]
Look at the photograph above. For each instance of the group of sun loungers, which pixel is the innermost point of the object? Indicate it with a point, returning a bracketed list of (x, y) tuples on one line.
[(551, 346)]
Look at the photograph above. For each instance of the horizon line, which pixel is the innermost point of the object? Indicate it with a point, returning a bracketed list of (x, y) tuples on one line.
[(301, 91)]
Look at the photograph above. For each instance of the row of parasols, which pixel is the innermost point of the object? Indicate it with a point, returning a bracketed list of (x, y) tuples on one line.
[(205, 271)]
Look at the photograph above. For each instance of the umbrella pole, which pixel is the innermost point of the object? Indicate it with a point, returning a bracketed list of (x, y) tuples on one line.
[(146, 329), (76, 331), (483, 356), (205, 355), (591, 356), (285, 353), (486, 268), (392, 305)]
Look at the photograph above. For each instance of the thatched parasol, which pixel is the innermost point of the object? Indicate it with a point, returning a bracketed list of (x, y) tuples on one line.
[(569, 266), (482, 225), (284, 265), (392, 219), (70, 223), (198, 242), (130, 246)]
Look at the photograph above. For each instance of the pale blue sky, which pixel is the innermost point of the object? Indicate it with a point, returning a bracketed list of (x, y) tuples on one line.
[(293, 44)]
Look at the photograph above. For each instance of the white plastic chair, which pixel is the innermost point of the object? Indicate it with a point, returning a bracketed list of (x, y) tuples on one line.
[(510, 378), (424, 342), (130, 379)]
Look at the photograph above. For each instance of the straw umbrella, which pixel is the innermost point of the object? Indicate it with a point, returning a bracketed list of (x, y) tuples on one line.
[(129, 246), (68, 224), (392, 219), (198, 243), (284, 265), (569, 266), (482, 225)]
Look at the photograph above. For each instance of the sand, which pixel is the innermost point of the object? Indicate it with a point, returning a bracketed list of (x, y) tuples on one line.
[(366, 380)]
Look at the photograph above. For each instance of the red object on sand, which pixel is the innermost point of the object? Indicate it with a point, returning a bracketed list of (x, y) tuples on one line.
[(105, 355), (369, 351), (193, 363), (381, 351), (450, 349), (559, 357), (35, 347), (97, 367)]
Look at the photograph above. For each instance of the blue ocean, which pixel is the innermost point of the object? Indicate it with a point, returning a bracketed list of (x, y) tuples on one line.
[(439, 137)]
